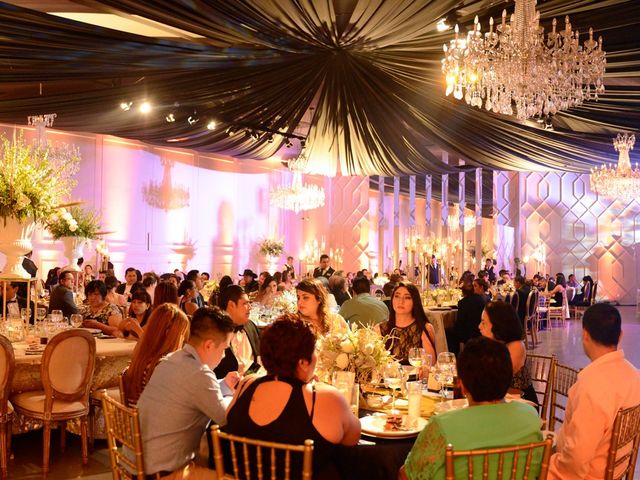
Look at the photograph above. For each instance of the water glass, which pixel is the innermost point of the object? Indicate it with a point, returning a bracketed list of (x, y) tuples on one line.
[(56, 315), (344, 382), (445, 371), (414, 395), (425, 368), (392, 375)]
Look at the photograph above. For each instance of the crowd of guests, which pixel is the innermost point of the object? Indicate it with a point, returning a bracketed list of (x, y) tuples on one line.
[(196, 357)]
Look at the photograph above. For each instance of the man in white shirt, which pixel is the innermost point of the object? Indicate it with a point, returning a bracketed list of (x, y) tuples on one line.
[(606, 385)]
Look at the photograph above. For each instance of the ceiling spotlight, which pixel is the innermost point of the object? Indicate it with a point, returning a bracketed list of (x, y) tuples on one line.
[(193, 119), (145, 107), (442, 25), (211, 125), (303, 142), (126, 106), (170, 118)]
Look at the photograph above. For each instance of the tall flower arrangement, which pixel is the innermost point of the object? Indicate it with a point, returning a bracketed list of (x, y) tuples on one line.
[(34, 179), (74, 222), (271, 247)]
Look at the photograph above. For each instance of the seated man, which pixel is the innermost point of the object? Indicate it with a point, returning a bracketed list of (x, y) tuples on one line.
[(607, 384), (363, 308), (485, 371), (181, 397), (62, 295), (15, 303)]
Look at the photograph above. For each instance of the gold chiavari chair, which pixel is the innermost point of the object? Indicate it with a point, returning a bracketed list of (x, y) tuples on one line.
[(511, 456), (530, 326), (578, 310), (123, 431), (542, 370), (260, 450), (558, 313), (625, 439), (563, 380)]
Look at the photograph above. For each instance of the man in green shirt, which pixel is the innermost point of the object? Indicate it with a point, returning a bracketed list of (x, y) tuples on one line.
[(364, 309), (485, 371)]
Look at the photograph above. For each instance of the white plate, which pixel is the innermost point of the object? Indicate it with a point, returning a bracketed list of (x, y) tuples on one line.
[(374, 425), (451, 405), (93, 331)]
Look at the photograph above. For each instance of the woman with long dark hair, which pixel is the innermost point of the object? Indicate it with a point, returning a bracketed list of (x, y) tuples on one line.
[(408, 326)]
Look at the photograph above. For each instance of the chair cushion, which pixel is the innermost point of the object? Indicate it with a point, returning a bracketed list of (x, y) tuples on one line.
[(34, 402)]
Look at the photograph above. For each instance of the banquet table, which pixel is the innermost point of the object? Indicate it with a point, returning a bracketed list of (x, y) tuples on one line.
[(112, 356)]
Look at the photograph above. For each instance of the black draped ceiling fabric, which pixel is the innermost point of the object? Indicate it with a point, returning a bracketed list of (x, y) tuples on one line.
[(366, 73)]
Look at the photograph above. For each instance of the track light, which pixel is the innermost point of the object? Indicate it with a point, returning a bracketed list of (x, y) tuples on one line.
[(126, 106), (145, 107), (193, 118), (211, 125), (442, 25), (170, 118)]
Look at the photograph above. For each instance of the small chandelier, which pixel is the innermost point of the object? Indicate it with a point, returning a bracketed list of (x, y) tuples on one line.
[(515, 64), (621, 181), (165, 194), (298, 196), (454, 220)]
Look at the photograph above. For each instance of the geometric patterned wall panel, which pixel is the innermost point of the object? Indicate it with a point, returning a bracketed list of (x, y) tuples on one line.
[(582, 233), (349, 220)]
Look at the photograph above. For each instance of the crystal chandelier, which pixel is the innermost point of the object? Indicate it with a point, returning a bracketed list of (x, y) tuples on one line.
[(165, 194), (621, 181), (298, 197), (516, 65), (454, 220)]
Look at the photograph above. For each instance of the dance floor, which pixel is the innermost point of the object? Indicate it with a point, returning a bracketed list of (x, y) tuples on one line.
[(565, 342)]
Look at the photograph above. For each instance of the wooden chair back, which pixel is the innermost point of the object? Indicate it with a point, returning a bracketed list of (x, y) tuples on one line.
[(563, 380), (263, 450), (514, 455), (7, 369), (542, 370), (123, 432), (67, 367), (625, 439)]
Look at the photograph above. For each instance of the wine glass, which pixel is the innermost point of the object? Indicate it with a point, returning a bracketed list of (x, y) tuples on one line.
[(425, 368), (445, 371), (76, 320), (392, 376), (415, 357)]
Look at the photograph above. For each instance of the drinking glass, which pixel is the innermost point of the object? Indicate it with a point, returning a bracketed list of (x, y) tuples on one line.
[(76, 320), (415, 357), (344, 382), (425, 368), (392, 375), (445, 371), (56, 315)]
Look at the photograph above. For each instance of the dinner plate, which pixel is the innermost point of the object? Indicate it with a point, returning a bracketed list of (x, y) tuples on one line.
[(451, 405), (373, 425), (430, 394), (93, 331)]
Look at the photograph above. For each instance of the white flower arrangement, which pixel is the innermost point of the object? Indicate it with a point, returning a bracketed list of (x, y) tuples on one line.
[(361, 350), (287, 302), (271, 247), (73, 222)]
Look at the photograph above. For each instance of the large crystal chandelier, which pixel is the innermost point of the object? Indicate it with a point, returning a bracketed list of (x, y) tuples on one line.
[(516, 65), (618, 181), (298, 196)]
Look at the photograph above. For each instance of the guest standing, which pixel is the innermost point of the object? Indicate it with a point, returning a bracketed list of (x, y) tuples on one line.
[(324, 269), (288, 267), (433, 273), (606, 385)]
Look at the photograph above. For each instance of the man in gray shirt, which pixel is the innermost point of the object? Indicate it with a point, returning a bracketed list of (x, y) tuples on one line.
[(363, 308), (181, 397)]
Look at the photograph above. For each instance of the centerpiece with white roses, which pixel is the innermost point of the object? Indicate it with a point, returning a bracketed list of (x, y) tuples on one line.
[(360, 350), (75, 227)]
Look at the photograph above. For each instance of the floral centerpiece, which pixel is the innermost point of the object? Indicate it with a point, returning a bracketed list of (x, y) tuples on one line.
[(209, 288), (35, 180), (75, 227), (360, 350), (271, 247), (286, 302)]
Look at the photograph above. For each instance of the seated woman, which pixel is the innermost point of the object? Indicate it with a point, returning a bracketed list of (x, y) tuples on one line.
[(484, 370), (165, 292), (583, 299), (338, 286), (112, 283), (481, 287), (287, 281), (500, 322), (166, 330), (286, 406), (408, 326), (313, 307), (557, 292), (139, 312), (267, 292), (99, 313), (188, 293)]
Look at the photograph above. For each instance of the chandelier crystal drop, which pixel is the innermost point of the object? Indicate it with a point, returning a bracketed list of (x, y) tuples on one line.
[(298, 196), (620, 181), (513, 65)]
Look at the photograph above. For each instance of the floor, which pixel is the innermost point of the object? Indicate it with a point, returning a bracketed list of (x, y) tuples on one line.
[(27, 449)]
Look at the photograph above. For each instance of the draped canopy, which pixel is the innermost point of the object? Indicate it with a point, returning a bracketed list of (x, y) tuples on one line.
[(361, 79)]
